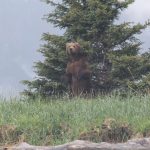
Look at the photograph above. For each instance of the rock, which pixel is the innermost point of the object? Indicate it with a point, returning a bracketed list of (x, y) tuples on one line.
[(136, 144)]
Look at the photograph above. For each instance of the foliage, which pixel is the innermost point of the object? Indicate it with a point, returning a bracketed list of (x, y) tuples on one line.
[(132, 72), (49, 80), (53, 122), (113, 48)]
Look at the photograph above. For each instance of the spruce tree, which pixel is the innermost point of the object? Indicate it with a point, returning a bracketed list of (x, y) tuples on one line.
[(113, 49)]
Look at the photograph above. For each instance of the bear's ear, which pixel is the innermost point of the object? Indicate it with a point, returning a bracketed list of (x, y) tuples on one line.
[(78, 45), (67, 46)]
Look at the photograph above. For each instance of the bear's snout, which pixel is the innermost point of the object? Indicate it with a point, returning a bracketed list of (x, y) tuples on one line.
[(70, 49)]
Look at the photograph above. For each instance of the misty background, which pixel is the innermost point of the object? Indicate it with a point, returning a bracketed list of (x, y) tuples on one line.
[(21, 27)]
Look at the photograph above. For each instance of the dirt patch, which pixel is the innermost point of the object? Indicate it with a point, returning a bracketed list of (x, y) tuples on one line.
[(110, 131), (92, 135), (9, 134)]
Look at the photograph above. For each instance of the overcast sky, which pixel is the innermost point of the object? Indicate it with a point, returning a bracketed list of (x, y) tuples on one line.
[(21, 28)]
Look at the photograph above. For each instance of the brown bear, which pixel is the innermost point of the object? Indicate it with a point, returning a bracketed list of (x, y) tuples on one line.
[(77, 71)]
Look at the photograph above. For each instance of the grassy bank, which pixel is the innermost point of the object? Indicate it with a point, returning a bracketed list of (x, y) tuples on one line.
[(58, 121)]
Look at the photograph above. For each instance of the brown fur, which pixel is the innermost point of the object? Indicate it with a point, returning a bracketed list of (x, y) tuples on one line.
[(77, 71)]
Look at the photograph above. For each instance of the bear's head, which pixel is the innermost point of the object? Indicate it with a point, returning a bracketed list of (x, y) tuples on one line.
[(73, 49)]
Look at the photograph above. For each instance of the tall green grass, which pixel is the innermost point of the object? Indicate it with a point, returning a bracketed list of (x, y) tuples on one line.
[(56, 121)]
